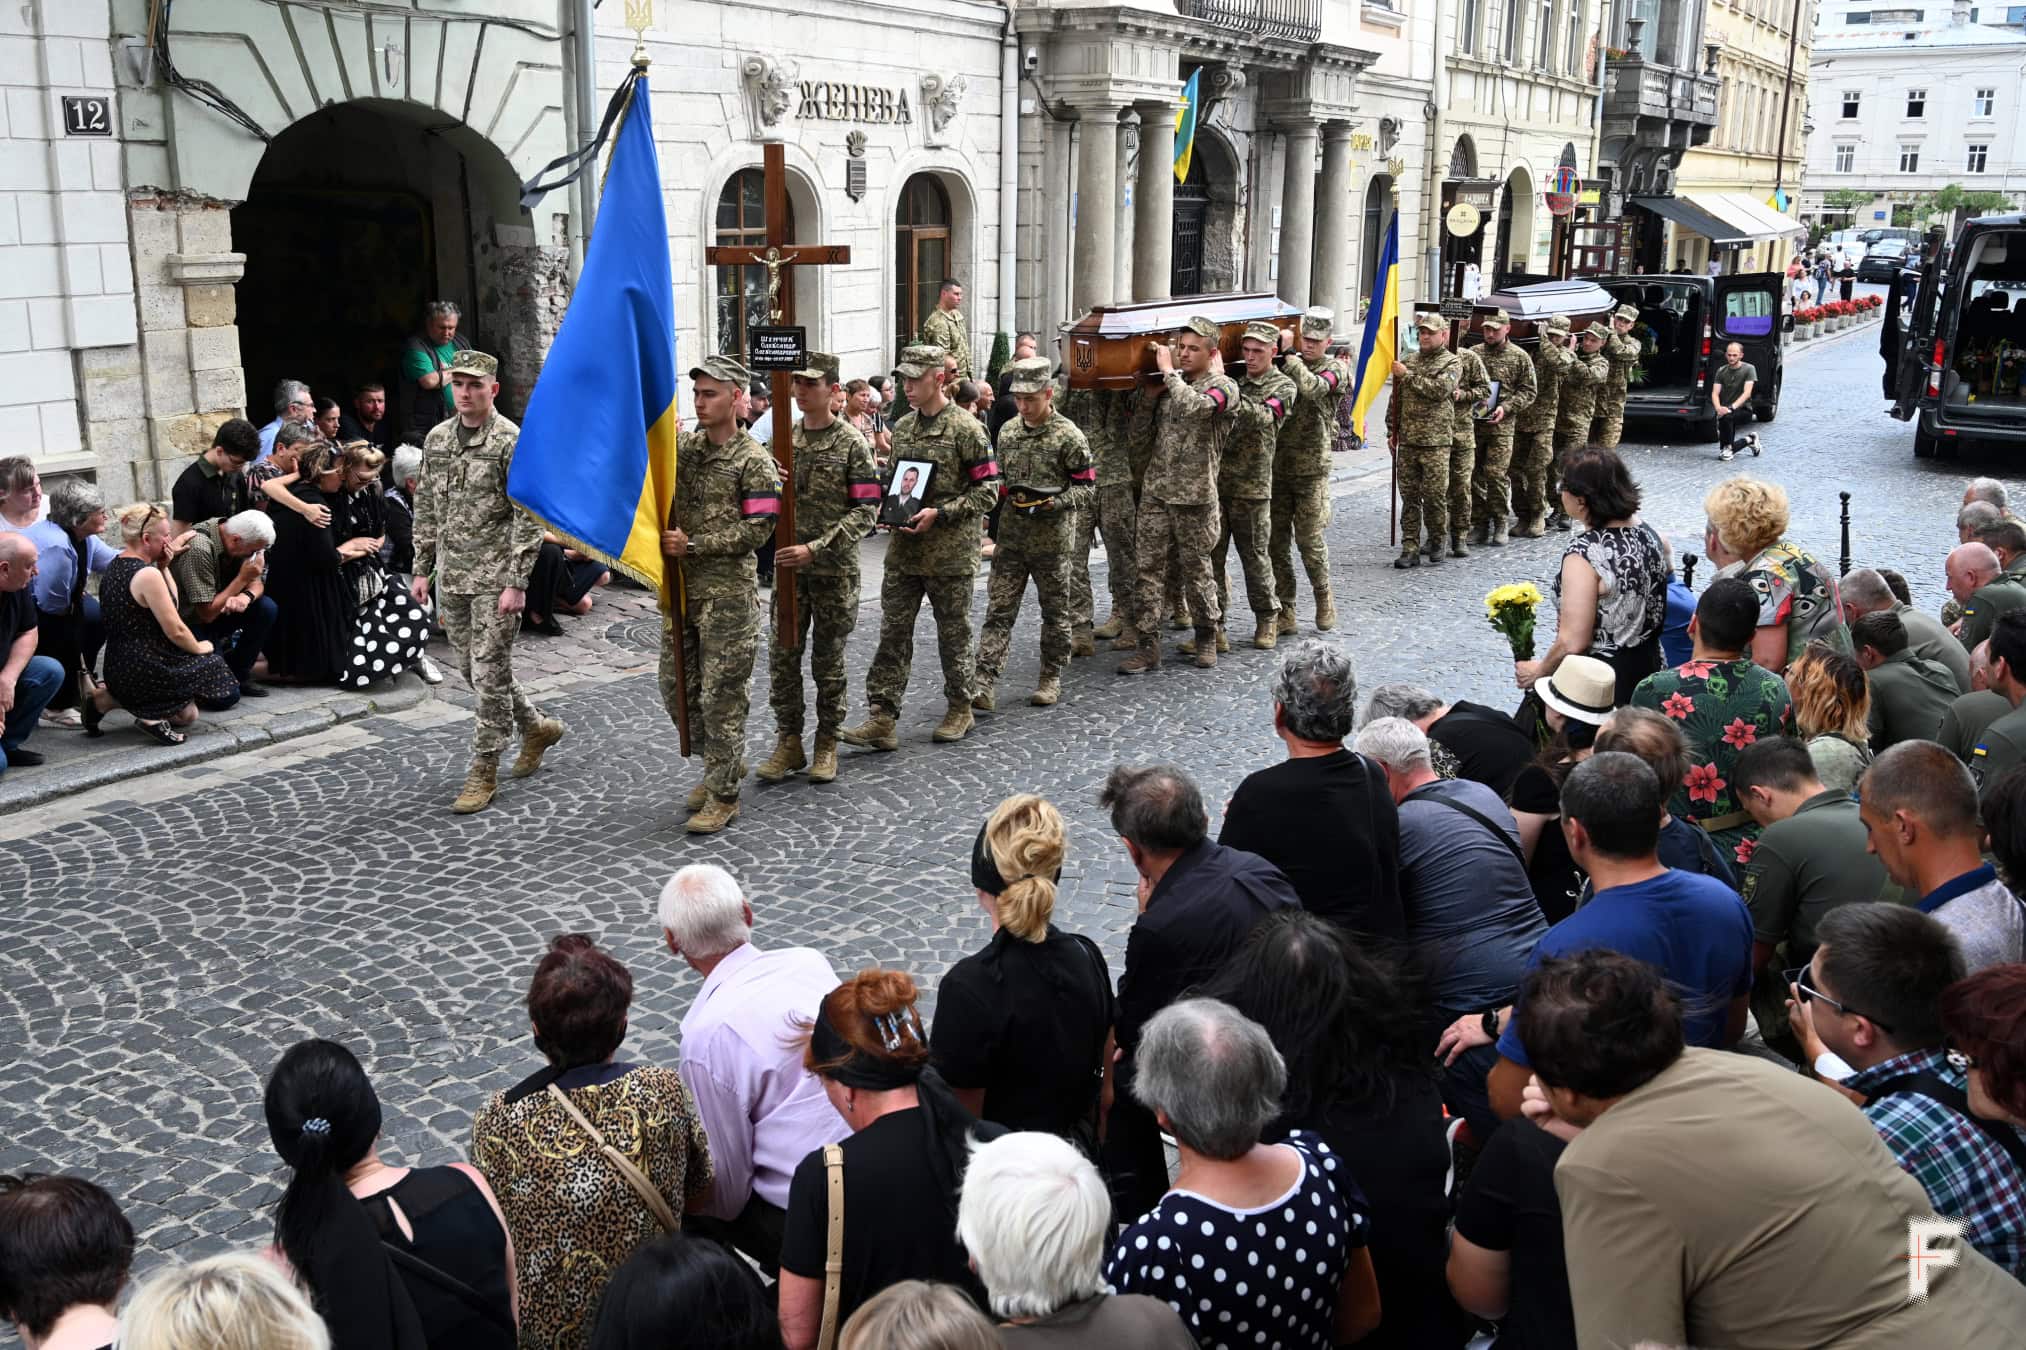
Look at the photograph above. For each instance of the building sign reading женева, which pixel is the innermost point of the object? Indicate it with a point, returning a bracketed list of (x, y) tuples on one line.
[(825, 101)]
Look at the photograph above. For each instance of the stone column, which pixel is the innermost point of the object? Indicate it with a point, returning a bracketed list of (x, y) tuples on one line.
[(1297, 213), (1333, 217), (1154, 203), (1056, 185), (1096, 207), (1122, 220)]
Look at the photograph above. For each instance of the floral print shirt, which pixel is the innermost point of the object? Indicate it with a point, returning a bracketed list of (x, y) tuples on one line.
[(1721, 707), (1798, 591)]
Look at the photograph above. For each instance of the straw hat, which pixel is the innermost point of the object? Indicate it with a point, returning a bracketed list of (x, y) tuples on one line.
[(1582, 687)]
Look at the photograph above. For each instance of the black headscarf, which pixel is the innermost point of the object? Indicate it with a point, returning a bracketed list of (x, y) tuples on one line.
[(944, 1118)]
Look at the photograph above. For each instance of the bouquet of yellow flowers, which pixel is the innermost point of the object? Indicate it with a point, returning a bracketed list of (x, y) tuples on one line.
[(1511, 611)]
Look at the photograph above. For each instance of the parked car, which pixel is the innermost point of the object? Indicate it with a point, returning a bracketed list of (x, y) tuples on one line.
[(1684, 325), (1954, 339), (1884, 260)]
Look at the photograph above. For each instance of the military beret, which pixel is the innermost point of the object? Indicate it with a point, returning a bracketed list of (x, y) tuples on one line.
[(1317, 321), (1430, 322), (1030, 376), (1203, 327), (1259, 330), (1626, 312), (474, 363), (1500, 317), (818, 366), (1558, 323), (919, 359), (726, 368)]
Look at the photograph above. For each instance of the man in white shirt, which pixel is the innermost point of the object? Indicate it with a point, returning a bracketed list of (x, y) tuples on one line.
[(742, 1059)]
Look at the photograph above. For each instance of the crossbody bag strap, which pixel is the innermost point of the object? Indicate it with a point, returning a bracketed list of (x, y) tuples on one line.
[(833, 1247), (1940, 1090), (631, 1175), (1511, 845)]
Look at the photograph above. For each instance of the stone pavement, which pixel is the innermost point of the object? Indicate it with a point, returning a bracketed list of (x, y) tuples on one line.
[(172, 933)]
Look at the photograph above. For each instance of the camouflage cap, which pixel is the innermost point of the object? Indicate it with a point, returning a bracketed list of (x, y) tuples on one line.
[(820, 366), (1499, 317), (726, 368), (1626, 312), (475, 363), (1430, 322), (1317, 321), (1558, 323), (1030, 376), (1204, 328), (1596, 328), (1259, 330), (919, 359)]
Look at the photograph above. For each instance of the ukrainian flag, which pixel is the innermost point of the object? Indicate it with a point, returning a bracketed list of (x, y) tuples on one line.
[(596, 458), (1377, 352), (1185, 126)]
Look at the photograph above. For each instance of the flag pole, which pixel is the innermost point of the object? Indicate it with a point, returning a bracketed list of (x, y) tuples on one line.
[(1394, 168)]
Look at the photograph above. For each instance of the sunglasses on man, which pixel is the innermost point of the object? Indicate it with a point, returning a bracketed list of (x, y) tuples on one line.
[(1798, 978)]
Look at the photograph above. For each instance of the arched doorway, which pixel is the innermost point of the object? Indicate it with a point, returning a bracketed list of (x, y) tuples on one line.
[(742, 291), (1378, 215), (1192, 218), (357, 217), (1515, 227), (922, 254)]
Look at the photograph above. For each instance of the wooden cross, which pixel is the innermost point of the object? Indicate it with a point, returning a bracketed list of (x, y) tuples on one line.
[(778, 256)]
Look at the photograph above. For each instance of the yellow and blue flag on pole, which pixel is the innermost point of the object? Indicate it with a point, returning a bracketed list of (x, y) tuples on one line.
[(1378, 350), (1185, 126), (596, 457)]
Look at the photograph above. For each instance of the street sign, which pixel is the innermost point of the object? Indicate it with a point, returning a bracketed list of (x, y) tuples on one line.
[(779, 348), (1565, 191), (1464, 220)]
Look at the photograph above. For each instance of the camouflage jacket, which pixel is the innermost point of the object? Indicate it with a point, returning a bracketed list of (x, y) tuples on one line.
[(1514, 371), (1302, 449), (1104, 417), (1472, 389), (1191, 419), (836, 494), (945, 328), (1622, 351), (467, 533), (963, 490), (1582, 378), (1549, 363), (1054, 455), (726, 500), (1423, 404), (1264, 401)]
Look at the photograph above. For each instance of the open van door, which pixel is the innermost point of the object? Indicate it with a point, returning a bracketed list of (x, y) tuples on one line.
[(1747, 310), (1908, 330)]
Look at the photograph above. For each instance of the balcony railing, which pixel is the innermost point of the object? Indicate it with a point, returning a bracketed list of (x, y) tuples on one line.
[(1638, 88), (1296, 20)]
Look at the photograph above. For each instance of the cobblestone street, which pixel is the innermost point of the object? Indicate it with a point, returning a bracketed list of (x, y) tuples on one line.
[(169, 936)]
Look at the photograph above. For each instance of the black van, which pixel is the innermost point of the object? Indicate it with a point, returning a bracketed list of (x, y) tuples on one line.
[(1954, 338), (1685, 322)]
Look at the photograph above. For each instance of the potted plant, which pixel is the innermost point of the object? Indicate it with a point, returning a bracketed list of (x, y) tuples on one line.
[(1804, 324)]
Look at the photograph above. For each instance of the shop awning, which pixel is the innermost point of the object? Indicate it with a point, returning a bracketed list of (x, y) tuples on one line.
[(1685, 213), (1723, 217), (1744, 208)]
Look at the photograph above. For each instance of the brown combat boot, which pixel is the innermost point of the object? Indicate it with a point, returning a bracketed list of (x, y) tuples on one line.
[(1457, 547), (1431, 552), (956, 724), (1500, 533), (535, 742), (1179, 620), (985, 700), (1146, 657), (1109, 629), (693, 803), (876, 732), (1288, 623), (1085, 642), (716, 814), (1047, 693), (786, 759), (1410, 556), (1325, 612), (1128, 641), (1187, 646), (1265, 633), (1206, 648), (823, 768), (480, 783)]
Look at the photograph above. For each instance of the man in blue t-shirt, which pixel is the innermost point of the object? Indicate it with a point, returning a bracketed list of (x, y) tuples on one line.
[(1694, 928)]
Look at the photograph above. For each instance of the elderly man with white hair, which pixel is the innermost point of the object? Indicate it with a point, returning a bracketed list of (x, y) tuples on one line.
[(1033, 1215), (221, 594), (1864, 592), (762, 1110)]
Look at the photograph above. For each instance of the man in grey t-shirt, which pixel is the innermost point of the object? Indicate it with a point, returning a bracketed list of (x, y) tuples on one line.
[(1730, 393)]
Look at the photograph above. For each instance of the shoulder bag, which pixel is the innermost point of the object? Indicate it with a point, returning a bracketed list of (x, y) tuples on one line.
[(1938, 1089), (634, 1178), (1511, 845), (833, 1247)]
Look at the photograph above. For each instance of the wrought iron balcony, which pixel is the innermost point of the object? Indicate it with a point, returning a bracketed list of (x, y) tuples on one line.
[(1296, 20)]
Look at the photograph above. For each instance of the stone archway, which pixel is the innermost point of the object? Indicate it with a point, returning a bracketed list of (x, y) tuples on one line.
[(1515, 226), (1223, 248)]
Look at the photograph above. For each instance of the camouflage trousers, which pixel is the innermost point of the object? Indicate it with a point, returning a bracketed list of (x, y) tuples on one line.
[(483, 639), (1490, 485), (1301, 509), (826, 610), (1608, 427), (1080, 599), (1184, 535), (1532, 457), (1054, 577), (720, 639), (1424, 493), (1462, 472), (900, 601), (1117, 517), (1248, 524), (1566, 443)]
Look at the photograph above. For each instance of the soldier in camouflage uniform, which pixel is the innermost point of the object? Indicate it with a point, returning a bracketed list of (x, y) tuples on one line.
[(945, 328), (1178, 501), (1472, 389), (1535, 451), (1582, 380), (1104, 417), (481, 548), (1050, 481), (836, 493), (727, 498), (1513, 369), (1421, 426), (935, 557), (1621, 350), (1245, 483), (1301, 469)]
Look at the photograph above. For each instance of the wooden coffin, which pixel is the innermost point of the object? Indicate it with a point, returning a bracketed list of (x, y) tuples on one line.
[(1532, 306), (1108, 347)]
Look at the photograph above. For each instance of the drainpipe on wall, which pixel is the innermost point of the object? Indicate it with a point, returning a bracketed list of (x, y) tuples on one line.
[(571, 134), (584, 53), (1009, 173)]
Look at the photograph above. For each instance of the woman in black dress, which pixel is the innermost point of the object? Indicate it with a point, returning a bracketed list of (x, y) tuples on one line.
[(155, 667), (311, 640), (389, 630)]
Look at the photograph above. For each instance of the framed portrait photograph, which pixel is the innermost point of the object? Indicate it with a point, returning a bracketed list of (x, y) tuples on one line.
[(907, 492)]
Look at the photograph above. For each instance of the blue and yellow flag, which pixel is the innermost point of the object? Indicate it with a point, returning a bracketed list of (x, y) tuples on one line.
[(1185, 126), (596, 458), (1378, 350)]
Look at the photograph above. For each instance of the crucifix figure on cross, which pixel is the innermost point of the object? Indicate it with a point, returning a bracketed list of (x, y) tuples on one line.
[(779, 256)]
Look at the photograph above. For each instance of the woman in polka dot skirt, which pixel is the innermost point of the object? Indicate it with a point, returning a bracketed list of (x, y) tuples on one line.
[(1256, 1245), (390, 631)]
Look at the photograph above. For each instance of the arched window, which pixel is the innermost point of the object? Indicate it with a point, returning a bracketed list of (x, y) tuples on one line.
[(1463, 159), (742, 291), (922, 255)]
